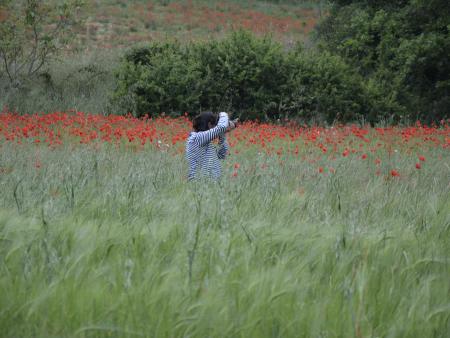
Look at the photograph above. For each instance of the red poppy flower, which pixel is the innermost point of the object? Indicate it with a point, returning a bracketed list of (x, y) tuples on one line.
[(395, 173)]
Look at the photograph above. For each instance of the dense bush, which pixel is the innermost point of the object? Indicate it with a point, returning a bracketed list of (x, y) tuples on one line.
[(323, 87), (252, 77), (401, 47), (243, 74), (158, 78), (240, 73)]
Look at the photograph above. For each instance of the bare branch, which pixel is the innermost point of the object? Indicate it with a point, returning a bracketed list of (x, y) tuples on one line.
[(32, 55), (3, 54)]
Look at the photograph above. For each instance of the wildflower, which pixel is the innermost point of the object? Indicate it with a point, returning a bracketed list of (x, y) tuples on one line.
[(395, 173), (237, 166), (418, 166), (320, 169), (422, 158), (364, 156)]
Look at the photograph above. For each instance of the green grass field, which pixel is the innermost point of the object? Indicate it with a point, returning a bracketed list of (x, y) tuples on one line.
[(101, 242)]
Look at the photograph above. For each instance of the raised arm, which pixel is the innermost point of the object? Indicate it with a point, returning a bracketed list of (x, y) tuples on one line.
[(203, 137), (223, 147)]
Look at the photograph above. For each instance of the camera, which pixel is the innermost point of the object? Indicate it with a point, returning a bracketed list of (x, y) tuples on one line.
[(234, 123)]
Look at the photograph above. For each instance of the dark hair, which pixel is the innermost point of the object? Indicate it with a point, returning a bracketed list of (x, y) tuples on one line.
[(202, 120)]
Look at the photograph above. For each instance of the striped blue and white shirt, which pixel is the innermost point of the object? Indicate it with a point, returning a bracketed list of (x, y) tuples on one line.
[(202, 156)]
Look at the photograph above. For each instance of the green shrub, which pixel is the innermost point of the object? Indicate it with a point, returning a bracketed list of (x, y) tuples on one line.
[(324, 87), (249, 76), (158, 78), (244, 74), (241, 73)]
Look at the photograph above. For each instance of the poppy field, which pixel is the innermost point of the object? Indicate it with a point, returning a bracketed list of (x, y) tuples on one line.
[(116, 23), (339, 231)]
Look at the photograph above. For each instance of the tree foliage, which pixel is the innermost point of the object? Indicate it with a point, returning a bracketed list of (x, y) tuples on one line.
[(401, 46)]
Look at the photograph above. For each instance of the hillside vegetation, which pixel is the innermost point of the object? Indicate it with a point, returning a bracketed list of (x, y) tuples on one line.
[(123, 23)]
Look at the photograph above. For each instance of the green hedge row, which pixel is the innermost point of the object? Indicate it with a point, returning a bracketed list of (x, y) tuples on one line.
[(250, 76)]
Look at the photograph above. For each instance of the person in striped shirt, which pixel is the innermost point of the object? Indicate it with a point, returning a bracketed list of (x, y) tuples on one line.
[(202, 156)]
